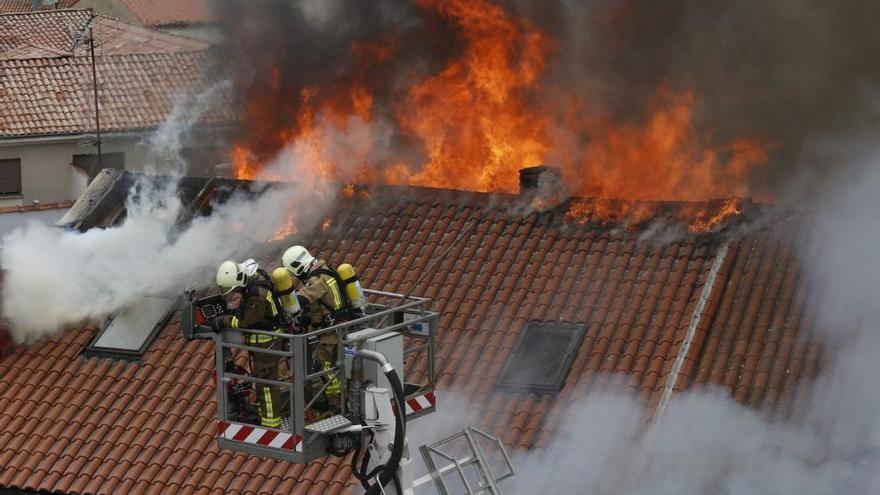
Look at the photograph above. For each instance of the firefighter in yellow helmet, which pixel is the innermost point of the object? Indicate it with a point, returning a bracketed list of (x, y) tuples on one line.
[(258, 310), (324, 303)]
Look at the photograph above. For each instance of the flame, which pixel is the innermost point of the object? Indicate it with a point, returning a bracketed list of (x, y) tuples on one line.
[(286, 230), (328, 221), (486, 114), (704, 220), (472, 117), (244, 162)]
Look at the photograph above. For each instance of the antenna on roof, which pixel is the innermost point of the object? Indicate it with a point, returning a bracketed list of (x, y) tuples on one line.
[(92, 17)]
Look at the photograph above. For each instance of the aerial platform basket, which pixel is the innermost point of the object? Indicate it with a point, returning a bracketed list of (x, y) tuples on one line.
[(399, 326)]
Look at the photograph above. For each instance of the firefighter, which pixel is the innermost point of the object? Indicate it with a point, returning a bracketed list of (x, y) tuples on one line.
[(325, 301), (325, 304), (258, 310)]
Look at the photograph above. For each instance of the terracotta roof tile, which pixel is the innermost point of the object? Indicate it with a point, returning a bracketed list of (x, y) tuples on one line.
[(14, 6), (172, 12), (64, 33), (138, 72)]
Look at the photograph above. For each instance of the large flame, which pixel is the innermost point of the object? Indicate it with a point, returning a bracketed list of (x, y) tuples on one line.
[(485, 115)]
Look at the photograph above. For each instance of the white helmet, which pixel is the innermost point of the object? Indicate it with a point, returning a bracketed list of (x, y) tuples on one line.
[(297, 260), (231, 275)]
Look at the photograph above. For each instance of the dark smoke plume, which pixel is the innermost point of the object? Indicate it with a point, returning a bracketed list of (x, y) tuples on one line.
[(784, 71), (280, 48)]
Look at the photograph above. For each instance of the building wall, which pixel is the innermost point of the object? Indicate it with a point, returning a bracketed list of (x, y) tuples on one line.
[(47, 174), (46, 171), (112, 8)]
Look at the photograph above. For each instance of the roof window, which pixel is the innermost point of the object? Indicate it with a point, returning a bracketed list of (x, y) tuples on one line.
[(542, 357), (127, 333)]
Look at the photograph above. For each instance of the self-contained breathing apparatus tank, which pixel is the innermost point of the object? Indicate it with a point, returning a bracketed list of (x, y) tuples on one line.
[(285, 292), (353, 289)]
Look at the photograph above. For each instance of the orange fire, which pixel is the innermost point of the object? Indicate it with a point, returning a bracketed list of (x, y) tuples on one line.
[(703, 220), (286, 230), (486, 114)]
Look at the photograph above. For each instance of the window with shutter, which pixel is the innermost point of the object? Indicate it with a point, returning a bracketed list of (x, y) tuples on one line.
[(10, 177)]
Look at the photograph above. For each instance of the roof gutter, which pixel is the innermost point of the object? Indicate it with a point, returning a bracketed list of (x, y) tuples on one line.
[(66, 138), (60, 138)]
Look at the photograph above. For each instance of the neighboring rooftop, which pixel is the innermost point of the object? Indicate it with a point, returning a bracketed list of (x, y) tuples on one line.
[(10, 6), (730, 303), (46, 71), (50, 96), (60, 33), (162, 13)]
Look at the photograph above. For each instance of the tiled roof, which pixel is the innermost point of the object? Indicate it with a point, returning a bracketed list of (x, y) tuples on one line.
[(171, 12), (10, 6), (55, 30), (53, 96), (81, 425), (57, 205), (61, 33)]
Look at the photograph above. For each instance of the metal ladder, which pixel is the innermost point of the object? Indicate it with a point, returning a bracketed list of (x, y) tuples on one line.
[(475, 474)]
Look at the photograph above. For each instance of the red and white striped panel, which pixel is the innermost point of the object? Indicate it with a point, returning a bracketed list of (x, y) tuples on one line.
[(260, 436), (420, 402)]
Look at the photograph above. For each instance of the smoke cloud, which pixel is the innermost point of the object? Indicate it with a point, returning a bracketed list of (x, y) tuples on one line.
[(57, 278)]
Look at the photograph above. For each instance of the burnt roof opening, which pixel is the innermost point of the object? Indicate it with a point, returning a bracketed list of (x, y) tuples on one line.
[(542, 357)]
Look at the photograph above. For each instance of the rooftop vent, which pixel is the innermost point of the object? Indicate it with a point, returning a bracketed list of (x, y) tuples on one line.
[(543, 185), (38, 4)]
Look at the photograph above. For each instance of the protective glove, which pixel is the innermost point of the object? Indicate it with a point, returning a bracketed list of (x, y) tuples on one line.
[(219, 323)]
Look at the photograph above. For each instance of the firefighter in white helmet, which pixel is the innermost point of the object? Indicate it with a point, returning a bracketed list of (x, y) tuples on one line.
[(323, 302), (257, 310)]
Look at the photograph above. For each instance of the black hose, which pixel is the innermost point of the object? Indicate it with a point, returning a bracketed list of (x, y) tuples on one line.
[(359, 471), (389, 469)]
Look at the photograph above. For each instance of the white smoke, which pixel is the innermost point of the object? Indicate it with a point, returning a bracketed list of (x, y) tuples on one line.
[(706, 442), (55, 278), (164, 146)]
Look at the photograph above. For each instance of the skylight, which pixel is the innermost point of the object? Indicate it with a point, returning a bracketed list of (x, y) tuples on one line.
[(542, 357), (129, 332)]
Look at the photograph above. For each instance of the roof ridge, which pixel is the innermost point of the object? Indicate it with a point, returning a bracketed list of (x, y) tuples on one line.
[(39, 12)]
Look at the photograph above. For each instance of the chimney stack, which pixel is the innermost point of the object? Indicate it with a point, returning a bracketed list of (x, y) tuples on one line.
[(543, 184), (38, 4)]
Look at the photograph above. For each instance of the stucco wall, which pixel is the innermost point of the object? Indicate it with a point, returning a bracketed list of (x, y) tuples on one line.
[(48, 176)]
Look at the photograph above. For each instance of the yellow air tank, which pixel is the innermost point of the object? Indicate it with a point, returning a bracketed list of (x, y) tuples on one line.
[(285, 292), (352, 286)]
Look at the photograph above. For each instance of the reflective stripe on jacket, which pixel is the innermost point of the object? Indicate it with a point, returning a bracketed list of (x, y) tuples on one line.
[(323, 294), (333, 388)]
